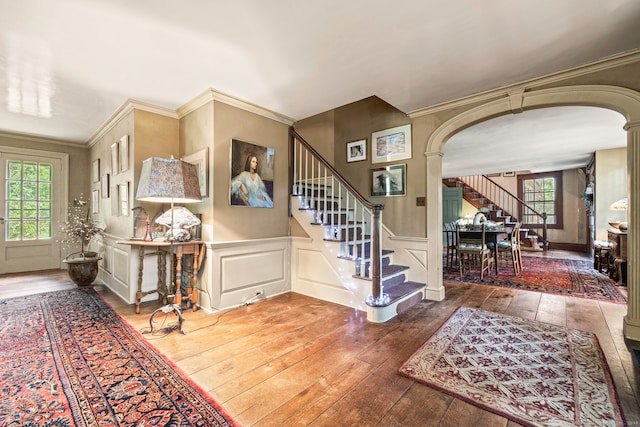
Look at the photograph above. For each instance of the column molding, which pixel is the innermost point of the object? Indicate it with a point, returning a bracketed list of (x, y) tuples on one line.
[(631, 327)]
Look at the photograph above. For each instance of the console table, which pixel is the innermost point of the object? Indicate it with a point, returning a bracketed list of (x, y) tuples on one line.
[(618, 251), (194, 247)]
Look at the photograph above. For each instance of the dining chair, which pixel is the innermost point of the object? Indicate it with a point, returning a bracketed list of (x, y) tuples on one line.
[(473, 251), (509, 250), (449, 230)]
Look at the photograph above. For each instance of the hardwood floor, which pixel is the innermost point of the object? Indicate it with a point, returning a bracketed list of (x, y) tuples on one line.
[(292, 360)]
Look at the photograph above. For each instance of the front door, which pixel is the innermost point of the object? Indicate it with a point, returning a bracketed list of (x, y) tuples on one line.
[(33, 196)]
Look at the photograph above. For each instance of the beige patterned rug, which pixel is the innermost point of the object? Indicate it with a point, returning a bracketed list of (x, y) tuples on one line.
[(533, 373)]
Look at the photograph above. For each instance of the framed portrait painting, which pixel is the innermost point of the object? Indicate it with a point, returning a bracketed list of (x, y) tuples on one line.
[(389, 181), (251, 181), (390, 145), (357, 150)]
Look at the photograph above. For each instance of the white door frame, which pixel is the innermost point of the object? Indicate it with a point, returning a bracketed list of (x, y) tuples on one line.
[(60, 191)]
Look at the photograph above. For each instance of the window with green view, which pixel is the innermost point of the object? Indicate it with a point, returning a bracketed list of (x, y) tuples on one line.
[(542, 192), (28, 200)]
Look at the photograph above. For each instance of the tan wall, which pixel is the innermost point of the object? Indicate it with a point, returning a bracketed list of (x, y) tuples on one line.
[(196, 133), (611, 186), (79, 163), (149, 135), (318, 131), (357, 121), (239, 222)]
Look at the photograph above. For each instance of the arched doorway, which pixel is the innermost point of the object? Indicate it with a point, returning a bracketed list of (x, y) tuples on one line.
[(624, 101)]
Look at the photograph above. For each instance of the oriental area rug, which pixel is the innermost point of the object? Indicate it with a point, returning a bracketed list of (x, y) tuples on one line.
[(530, 372), (569, 277), (67, 359)]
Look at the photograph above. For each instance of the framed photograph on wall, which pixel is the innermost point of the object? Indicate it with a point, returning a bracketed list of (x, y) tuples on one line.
[(357, 150), (251, 175), (104, 186), (201, 160), (114, 159), (115, 201), (124, 153), (95, 201), (390, 145), (95, 170), (389, 181), (123, 197)]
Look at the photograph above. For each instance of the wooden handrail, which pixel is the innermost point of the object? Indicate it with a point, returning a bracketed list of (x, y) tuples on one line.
[(513, 196), (377, 295), (373, 206), (495, 191)]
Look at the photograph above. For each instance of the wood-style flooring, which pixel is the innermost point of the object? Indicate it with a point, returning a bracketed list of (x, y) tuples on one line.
[(292, 360)]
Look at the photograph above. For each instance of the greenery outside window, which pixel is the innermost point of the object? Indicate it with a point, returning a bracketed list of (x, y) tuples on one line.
[(29, 197), (543, 193)]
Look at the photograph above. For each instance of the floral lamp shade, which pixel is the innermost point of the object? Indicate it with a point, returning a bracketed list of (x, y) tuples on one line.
[(168, 181)]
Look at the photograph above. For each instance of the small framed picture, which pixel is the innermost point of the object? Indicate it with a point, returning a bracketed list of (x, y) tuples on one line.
[(104, 186), (389, 181), (114, 159), (95, 170), (95, 201), (357, 150), (201, 160), (123, 197), (124, 153), (115, 201), (390, 145)]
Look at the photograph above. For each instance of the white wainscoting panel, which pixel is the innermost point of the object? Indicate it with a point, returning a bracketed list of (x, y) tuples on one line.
[(235, 271), (324, 276)]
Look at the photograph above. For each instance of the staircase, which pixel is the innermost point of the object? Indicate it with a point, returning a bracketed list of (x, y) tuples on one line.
[(482, 192), (347, 239)]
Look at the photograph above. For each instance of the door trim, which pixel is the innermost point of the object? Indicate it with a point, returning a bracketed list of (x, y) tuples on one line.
[(62, 187)]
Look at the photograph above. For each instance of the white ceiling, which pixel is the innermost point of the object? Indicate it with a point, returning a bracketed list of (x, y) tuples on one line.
[(67, 65)]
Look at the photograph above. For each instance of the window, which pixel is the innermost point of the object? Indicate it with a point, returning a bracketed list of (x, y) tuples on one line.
[(29, 200), (543, 193)]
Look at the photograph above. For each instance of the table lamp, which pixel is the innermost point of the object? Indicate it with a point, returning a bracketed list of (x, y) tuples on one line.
[(620, 205), (168, 181)]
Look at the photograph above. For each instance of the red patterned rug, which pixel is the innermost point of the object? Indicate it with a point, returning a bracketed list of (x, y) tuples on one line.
[(67, 359), (530, 372), (575, 278)]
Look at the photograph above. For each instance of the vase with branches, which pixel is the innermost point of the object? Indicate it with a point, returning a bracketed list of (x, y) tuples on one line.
[(79, 229)]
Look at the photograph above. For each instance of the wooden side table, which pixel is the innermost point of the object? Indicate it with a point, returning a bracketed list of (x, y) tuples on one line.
[(618, 254), (195, 248)]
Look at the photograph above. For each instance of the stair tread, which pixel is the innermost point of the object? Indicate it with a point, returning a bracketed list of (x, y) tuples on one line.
[(387, 271), (402, 289)]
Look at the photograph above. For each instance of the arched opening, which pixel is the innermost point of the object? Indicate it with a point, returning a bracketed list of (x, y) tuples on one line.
[(624, 101)]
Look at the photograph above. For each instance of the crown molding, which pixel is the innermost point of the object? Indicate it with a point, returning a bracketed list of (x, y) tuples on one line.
[(128, 106), (601, 65), (41, 139), (210, 95)]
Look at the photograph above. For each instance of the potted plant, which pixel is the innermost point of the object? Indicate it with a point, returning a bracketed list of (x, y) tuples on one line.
[(77, 231)]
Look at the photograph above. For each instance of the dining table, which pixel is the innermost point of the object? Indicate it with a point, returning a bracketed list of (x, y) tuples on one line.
[(492, 234)]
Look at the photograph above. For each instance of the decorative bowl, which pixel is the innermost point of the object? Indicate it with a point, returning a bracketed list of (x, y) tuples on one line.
[(615, 224)]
